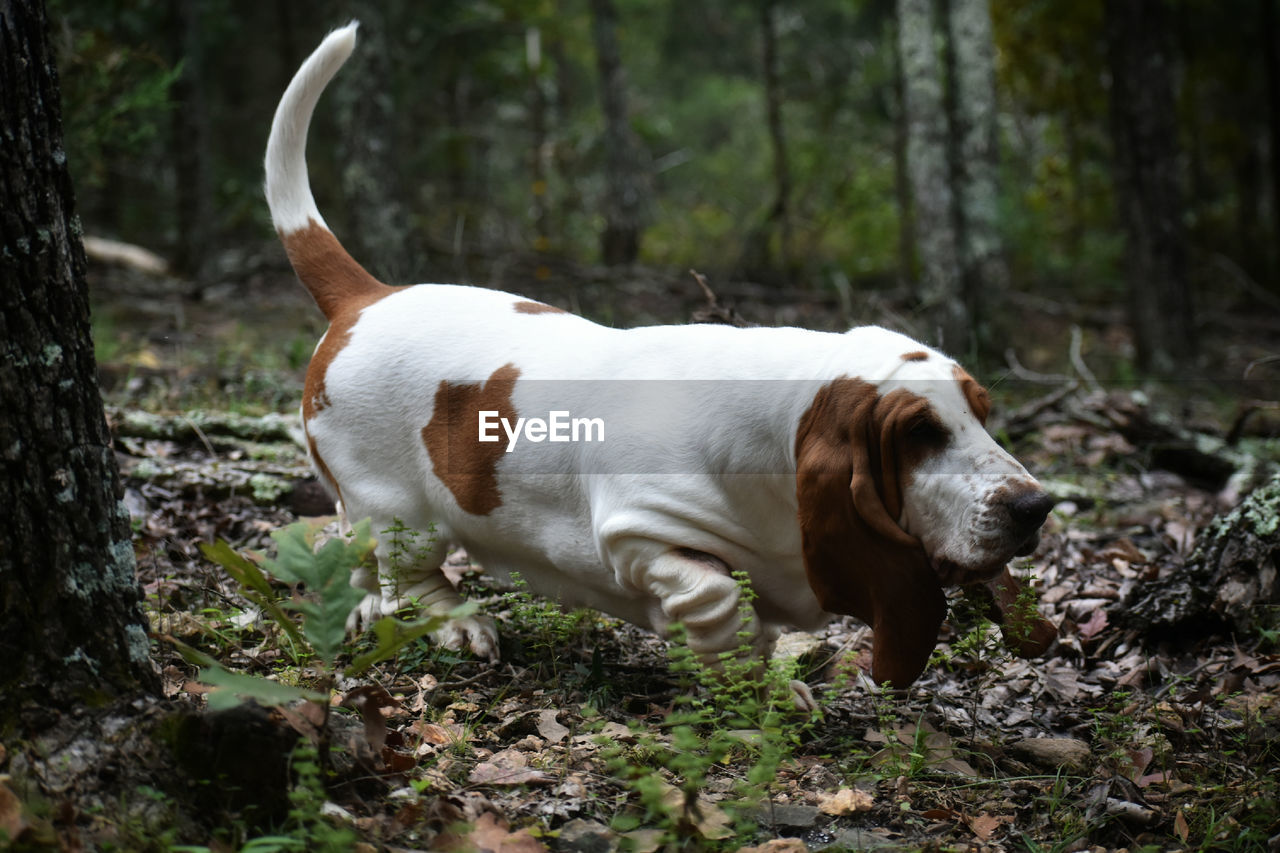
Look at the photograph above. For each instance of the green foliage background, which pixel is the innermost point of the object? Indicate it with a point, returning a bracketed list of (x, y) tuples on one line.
[(462, 89)]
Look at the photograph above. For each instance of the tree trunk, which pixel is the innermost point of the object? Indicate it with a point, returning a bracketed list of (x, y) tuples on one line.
[(902, 174), (540, 151), (190, 140), (975, 154), (937, 244), (1271, 59), (71, 629), (381, 231), (624, 194), (1144, 135), (780, 214)]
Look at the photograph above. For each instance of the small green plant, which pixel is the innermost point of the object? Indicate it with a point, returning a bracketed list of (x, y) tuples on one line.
[(545, 627), (403, 547), (896, 758), (324, 576), (738, 709)]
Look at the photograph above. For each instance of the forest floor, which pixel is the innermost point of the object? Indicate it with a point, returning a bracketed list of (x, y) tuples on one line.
[(1127, 734)]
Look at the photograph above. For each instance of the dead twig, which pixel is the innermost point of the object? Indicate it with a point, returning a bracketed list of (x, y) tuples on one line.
[(713, 311), (1018, 369), (1077, 360)]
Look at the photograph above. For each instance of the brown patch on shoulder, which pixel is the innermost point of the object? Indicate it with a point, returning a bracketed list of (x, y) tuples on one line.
[(974, 394), (342, 288), (918, 355), (529, 307), (467, 466)]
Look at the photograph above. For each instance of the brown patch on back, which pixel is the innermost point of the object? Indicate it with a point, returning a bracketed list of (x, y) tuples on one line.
[(467, 466), (853, 450), (342, 288), (530, 307), (918, 355), (974, 394)]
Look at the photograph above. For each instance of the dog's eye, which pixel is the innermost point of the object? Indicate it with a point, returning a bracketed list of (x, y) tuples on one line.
[(927, 430)]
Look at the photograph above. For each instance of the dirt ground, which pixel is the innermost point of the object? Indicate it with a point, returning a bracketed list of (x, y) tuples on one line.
[(1136, 730)]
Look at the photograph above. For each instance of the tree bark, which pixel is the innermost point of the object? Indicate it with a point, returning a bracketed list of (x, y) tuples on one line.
[(1271, 60), (381, 228), (624, 194), (780, 213), (540, 152), (71, 629), (975, 154), (901, 173), (1144, 135), (190, 140), (937, 243)]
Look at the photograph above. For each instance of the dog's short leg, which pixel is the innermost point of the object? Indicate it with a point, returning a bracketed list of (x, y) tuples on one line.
[(696, 590), (410, 578)]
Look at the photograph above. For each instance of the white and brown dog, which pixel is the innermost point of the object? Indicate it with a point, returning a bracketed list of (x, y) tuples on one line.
[(842, 473)]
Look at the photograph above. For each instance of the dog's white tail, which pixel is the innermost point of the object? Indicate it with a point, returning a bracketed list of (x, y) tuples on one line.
[(332, 276)]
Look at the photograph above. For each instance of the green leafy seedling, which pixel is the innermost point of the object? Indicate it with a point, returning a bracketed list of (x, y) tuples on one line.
[(257, 588), (232, 688), (327, 573)]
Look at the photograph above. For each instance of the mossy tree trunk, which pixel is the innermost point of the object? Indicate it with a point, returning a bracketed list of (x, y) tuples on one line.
[(379, 225), (625, 190), (975, 156), (71, 629), (940, 288)]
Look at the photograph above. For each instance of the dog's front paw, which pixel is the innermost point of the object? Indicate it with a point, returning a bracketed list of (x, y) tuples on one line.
[(368, 611), (802, 696), (477, 633)]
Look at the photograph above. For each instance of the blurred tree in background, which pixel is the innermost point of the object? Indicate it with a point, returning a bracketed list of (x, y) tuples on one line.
[(771, 140)]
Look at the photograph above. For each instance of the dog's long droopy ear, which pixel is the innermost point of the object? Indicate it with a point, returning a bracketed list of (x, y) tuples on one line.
[(858, 560)]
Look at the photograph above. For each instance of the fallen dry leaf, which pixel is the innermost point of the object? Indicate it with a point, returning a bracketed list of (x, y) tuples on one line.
[(985, 825), (492, 835), (507, 767), (644, 840), (711, 821), (373, 703), (778, 845), (1097, 621), (1180, 826), (549, 727), (845, 801), (437, 734), (11, 820)]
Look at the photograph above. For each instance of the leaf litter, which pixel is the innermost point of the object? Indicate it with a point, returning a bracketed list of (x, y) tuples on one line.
[(1124, 737)]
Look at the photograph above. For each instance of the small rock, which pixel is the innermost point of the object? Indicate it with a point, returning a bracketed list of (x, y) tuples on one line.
[(796, 644), (1053, 752)]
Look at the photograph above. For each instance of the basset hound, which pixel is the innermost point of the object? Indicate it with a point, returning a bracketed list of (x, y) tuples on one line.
[(635, 471)]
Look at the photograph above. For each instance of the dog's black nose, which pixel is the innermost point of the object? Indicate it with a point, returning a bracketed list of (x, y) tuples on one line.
[(1029, 509)]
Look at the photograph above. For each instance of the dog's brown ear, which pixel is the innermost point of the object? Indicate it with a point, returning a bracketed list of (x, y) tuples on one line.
[(974, 394), (858, 560)]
